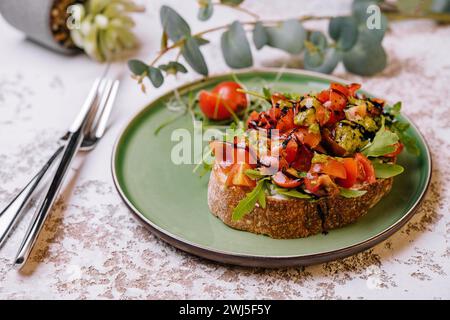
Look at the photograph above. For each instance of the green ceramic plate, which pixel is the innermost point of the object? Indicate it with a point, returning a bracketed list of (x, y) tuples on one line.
[(171, 200)]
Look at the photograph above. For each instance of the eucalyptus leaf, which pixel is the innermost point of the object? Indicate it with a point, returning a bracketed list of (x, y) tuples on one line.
[(206, 10), (235, 47), (137, 67), (201, 41), (173, 67), (372, 22), (324, 62), (156, 77), (386, 170), (318, 39), (366, 58), (344, 30), (260, 37), (193, 56), (350, 193), (289, 36), (173, 24)]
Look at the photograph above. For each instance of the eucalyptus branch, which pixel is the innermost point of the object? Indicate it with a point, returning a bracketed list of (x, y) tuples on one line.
[(238, 8)]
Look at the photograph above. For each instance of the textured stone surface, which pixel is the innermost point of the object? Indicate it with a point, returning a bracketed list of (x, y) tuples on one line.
[(92, 246)]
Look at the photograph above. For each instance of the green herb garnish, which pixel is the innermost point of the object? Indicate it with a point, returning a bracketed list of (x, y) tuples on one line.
[(292, 193), (386, 170), (350, 193), (258, 194), (382, 143)]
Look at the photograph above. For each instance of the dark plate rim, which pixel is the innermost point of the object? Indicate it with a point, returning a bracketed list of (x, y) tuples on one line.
[(250, 260)]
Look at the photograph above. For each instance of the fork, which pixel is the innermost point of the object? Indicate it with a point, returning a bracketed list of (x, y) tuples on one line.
[(14, 211)]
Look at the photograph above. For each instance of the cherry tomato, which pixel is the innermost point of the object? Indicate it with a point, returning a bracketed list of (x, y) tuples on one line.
[(352, 88), (237, 176), (320, 185), (340, 88), (309, 138), (397, 151), (284, 181), (291, 151), (330, 167), (366, 172), (324, 96), (286, 122), (322, 115), (338, 100), (304, 157), (222, 101), (351, 168), (227, 154)]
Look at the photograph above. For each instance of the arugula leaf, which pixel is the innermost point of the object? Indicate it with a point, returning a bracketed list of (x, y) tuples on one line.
[(395, 109), (254, 174), (350, 193), (292, 193), (382, 143), (267, 93), (248, 203), (386, 170), (409, 142)]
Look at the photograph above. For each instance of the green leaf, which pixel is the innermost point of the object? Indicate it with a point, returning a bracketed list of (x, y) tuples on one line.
[(248, 203), (350, 193), (322, 62), (289, 36), (156, 77), (292, 193), (267, 93), (206, 10), (201, 41), (344, 30), (319, 40), (366, 58), (372, 23), (254, 174), (173, 24), (232, 2), (173, 67), (235, 47), (386, 170), (193, 56), (395, 109), (137, 67), (260, 37), (382, 143)]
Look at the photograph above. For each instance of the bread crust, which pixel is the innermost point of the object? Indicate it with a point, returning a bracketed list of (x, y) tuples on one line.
[(292, 218)]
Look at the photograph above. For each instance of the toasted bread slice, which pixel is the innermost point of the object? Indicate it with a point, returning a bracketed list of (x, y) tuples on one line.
[(289, 218)]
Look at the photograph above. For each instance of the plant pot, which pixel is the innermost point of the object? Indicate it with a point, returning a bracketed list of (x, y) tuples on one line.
[(33, 17)]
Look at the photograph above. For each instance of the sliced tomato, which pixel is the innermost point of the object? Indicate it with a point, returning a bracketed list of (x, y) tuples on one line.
[(320, 185), (272, 164), (306, 137), (338, 100), (274, 113), (352, 88), (324, 96), (366, 172), (286, 123), (322, 115), (351, 168), (222, 101), (340, 88), (291, 151), (227, 153), (304, 157), (331, 167), (237, 177), (282, 180), (398, 149)]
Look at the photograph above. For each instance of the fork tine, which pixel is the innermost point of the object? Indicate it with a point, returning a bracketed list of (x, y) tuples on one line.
[(103, 95), (103, 119)]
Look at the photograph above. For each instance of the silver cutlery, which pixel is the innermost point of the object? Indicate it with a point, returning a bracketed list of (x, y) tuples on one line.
[(85, 132)]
